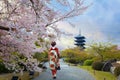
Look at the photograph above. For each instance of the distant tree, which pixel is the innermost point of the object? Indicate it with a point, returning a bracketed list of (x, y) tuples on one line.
[(105, 51), (75, 55), (112, 53)]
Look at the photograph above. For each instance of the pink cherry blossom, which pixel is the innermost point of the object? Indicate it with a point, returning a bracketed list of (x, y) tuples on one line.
[(22, 22)]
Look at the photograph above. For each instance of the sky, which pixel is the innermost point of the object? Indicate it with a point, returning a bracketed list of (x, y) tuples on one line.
[(99, 23)]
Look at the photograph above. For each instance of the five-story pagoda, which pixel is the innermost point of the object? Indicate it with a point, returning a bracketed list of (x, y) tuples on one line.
[(80, 41)]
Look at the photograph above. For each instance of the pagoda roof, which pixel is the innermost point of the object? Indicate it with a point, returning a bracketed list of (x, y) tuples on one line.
[(79, 40), (79, 43), (79, 37)]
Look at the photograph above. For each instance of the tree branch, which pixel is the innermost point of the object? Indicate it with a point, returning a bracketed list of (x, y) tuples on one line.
[(6, 28)]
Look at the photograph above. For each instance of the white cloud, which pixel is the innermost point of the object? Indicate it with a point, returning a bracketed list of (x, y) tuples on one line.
[(65, 42), (98, 23), (66, 27), (88, 28)]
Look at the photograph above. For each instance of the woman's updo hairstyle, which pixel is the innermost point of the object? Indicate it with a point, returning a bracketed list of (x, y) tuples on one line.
[(53, 43)]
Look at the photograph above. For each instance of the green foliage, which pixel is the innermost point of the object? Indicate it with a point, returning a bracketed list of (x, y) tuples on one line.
[(41, 40), (74, 55), (1, 59), (117, 71), (100, 49), (14, 53), (99, 75), (40, 65), (42, 57), (72, 60), (96, 52), (88, 62), (97, 65), (37, 44), (104, 51), (96, 59), (3, 69)]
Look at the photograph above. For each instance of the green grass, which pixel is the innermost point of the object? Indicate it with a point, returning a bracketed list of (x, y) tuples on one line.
[(25, 76), (99, 75)]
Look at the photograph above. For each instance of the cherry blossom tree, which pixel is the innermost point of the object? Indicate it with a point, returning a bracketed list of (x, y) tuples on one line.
[(24, 22)]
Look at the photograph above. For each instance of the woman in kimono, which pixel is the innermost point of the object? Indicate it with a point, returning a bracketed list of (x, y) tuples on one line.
[(53, 56)]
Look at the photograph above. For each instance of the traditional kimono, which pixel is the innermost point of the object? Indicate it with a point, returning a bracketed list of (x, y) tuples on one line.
[(58, 54), (53, 59), (56, 49)]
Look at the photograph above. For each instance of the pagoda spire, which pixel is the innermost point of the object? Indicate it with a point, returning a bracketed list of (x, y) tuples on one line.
[(79, 32)]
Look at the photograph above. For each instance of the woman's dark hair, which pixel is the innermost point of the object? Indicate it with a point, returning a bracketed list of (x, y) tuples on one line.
[(53, 43)]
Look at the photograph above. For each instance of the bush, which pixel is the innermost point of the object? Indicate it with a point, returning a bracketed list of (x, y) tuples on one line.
[(88, 62), (3, 69), (41, 57), (97, 65), (117, 71), (72, 60)]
